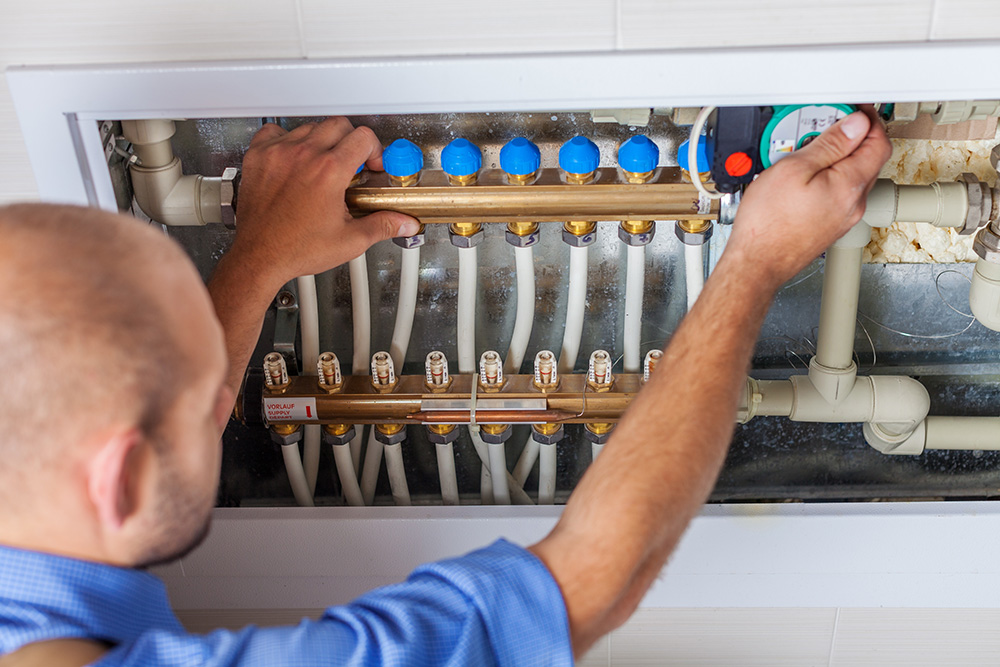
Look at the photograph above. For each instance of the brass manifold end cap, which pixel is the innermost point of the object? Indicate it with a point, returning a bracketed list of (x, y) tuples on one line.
[(495, 434), (598, 433), (390, 434), (286, 434), (579, 233), (522, 234), (442, 434), (547, 434), (338, 434), (693, 232), (636, 232), (466, 234)]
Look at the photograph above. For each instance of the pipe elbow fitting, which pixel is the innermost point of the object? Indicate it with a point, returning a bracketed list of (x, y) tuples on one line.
[(170, 198), (899, 404), (912, 443)]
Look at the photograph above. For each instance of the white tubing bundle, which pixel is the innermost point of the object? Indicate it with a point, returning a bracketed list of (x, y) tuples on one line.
[(634, 280)]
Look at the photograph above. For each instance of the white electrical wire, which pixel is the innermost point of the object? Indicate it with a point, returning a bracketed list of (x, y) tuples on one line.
[(699, 124), (296, 475), (525, 264), (309, 326), (694, 264), (406, 308), (348, 478), (446, 473), (634, 280), (397, 474), (547, 474), (575, 306), (361, 312)]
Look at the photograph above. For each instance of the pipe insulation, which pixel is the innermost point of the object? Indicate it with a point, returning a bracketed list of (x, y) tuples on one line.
[(348, 478), (406, 306), (547, 474), (361, 314), (296, 475), (694, 272), (575, 306), (161, 190), (309, 327), (397, 474), (446, 473), (634, 281), (525, 266), (939, 204)]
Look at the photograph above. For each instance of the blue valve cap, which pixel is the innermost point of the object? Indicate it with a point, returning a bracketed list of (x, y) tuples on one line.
[(402, 158), (682, 156), (520, 157), (362, 166), (461, 157), (579, 155), (638, 155)]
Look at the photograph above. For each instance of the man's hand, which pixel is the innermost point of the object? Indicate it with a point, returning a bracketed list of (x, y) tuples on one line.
[(805, 202), (292, 217)]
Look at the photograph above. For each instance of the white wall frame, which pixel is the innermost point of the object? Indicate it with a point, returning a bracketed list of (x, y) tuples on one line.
[(811, 555)]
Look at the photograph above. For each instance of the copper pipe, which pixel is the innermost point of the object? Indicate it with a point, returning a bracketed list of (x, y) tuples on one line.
[(667, 196)]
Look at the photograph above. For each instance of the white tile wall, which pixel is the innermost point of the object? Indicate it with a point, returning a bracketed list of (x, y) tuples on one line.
[(649, 24)]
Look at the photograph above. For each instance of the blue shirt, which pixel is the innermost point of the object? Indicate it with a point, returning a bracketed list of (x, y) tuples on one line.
[(499, 605)]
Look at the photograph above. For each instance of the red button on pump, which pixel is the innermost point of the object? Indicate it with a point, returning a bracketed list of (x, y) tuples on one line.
[(738, 164)]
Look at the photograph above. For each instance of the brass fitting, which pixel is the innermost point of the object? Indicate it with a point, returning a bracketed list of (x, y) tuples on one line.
[(493, 429), (383, 376), (580, 228), (442, 434), (285, 429), (638, 177), (495, 434), (336, 429), (522, 234), (356, 179), (599, 376), (522, 228), (467, 179), (547, 434), (546, 373), (275, 374), (491, 377), (436, 376), (328, 371), (390, 434), (598, 433), (580, 179), (465, 228), (404, 181), (338, 434), (521, 179), (441, 429), (389, 429), (649, 364), (693, 232), (694, 226), (286, 434), (637, 226), (600, 428)]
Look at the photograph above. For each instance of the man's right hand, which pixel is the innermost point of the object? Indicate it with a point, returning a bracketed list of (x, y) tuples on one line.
[(805, 202), (292, 218)]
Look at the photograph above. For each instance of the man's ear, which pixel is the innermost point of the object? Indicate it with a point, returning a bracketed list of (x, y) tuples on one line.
[(110, 478)]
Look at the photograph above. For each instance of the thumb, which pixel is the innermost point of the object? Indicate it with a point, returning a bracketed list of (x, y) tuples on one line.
[(836, 143), (383, 225)]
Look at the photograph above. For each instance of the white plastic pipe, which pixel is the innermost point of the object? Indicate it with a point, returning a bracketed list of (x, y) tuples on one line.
[(296, 475), (373, 465), (635, 271), (595, 449), (446, 473), (348, 478), (546, 474), (575, 306), (397, 474), (963, 433), (526, 461), (517, 494), (525, 264), (309, 326), (485, 478), (406, 306), (361, 313), (498, 461), (839, 307), (468, 268), (694, 265)]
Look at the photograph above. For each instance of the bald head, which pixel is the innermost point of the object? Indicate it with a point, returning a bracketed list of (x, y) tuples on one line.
[(86, 332)]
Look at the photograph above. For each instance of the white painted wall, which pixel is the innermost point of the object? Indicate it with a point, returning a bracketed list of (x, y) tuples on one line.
[(104, 31)]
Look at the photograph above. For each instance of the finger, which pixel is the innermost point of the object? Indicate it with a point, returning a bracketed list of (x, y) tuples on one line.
[(862, 167), (330, 132), (267, 132), (383, 225), (835, 144), (359, 147)]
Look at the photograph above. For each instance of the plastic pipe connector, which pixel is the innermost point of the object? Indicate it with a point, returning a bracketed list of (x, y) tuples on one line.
[(520, 157), (402, 158), (984, 294), (939, 204), (579, 155), (461, 158), (638, 155)]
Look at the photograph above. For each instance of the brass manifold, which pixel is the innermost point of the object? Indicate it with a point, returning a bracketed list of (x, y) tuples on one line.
[(667, 196), (519, 402)]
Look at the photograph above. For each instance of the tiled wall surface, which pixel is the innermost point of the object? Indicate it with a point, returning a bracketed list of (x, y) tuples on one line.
[(756, 637), (101, 31)]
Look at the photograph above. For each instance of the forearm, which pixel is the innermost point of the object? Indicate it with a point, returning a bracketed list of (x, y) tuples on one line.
[(242, 292), (632, 506)]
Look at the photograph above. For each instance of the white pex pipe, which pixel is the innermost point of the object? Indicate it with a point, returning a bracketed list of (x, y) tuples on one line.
[(446, 473), (406, 306), (468, 268), (485, 478), (839, 307), (517, 494), (634, 280), (595, 449), (963, 433), (361, 312), (526, 461), (575, 306), (498, 461), (348, 478), (296, 475), (397, 474), (694, 265), (547, 475), (373, 464), (309, 325), (524, 261)]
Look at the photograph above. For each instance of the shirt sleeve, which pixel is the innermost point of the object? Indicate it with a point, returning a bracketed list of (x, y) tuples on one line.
[(495, 606)]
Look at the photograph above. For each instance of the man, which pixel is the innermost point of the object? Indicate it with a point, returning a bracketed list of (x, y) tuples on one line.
[(116, 390)]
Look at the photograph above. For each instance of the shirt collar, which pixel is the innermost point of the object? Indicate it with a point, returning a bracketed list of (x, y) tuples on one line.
[(45, 596)]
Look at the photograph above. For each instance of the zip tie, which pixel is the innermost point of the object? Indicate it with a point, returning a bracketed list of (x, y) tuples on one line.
[(473, 426)]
